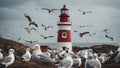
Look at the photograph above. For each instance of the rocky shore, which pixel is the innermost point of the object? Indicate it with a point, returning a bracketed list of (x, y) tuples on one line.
[(6, 44)]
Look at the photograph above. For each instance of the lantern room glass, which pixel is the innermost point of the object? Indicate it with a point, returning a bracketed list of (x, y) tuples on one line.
[(64, 11)]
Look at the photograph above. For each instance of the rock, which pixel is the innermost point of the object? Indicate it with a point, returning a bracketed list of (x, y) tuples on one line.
[(6, 44)]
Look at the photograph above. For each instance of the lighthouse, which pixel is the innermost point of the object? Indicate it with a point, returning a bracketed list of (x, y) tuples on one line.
[(64, 29)]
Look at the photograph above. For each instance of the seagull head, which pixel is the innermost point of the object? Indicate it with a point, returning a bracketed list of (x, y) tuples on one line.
[(12, 51), (0, 50), (36, 47)]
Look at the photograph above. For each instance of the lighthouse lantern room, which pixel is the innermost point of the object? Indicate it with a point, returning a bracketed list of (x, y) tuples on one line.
[(64, 29)]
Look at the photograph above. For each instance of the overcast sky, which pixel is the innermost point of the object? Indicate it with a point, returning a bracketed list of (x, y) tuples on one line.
[(105, 15)]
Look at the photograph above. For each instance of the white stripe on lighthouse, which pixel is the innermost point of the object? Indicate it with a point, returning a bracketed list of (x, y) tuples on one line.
[(64, 27), (65, 44)]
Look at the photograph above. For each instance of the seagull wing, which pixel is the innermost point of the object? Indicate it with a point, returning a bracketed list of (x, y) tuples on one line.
[(33, 23), (88, 12), (6, 60), (45, 9), (113, 55), (28, 17), (81, 10), (50, 36), (53, 9), (19, 38), (42, 35), (81, 34), (45, 59), (49, 26)]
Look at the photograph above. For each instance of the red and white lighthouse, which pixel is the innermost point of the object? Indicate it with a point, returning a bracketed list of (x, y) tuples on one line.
[(64, 29)]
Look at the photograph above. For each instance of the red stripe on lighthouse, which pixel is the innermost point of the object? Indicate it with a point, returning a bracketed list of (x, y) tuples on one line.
[(64, 36)]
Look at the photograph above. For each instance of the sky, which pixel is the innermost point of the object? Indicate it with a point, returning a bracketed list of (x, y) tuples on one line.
[(105, 15)]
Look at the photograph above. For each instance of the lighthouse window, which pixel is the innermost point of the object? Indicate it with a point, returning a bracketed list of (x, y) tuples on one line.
[(64, 35), (64, 11)]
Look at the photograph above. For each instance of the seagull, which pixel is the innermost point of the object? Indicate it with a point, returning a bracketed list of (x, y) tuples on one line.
[(27, 56), (40, 57), (8, 60), (92, 34), (1, 55), (82, 26), (67, 62), (76, 61), (105, 30), (31, 41), (101, 58), (84, 54), (45, 37), (84, 33), (46, 27), (29, 29), (115, 56), (49, 10), (18, 38), (92, 62), (109, 37), (75, 31), (30, 21), (84, 12)]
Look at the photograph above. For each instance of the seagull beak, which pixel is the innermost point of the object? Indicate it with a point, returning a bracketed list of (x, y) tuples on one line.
[(31, 49), (15, 52)]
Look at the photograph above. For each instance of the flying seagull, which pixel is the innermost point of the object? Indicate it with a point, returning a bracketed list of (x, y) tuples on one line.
[(46, 27), (84, 33), (30, 20), (82, 26), (109, 37), (31, 41), (19, 39), (29, 29), (84, 12), (105, 30), (45, 37), (49, 10)]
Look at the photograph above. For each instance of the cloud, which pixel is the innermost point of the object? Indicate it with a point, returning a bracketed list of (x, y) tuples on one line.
[(109, 3), (11, 3)]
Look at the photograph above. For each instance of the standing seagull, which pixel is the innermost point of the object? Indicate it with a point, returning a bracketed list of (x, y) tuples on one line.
[(84, 12), (49, 10), (1, 55), (40, 57), (8, 60), (30, 21), (92, 62), (27, 56), (46, 27), (67, 61), (115, 56)]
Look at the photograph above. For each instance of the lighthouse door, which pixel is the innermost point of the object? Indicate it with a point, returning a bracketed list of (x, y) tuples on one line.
[(64, 35)]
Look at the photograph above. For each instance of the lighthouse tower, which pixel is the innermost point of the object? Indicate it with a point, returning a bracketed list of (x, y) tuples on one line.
[(64, 29)]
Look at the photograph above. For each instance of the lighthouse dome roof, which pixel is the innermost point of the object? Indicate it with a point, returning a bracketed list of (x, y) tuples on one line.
[(64, 7)]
